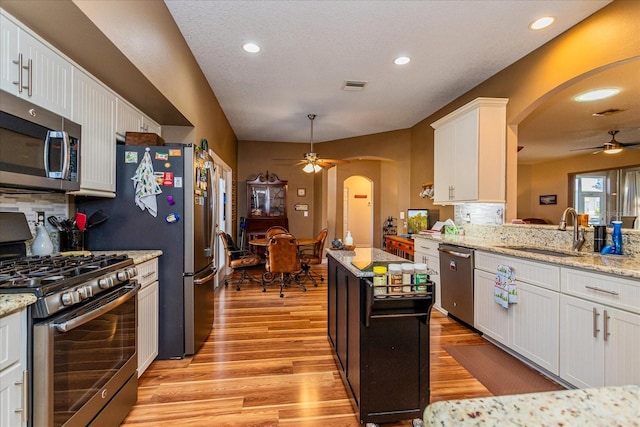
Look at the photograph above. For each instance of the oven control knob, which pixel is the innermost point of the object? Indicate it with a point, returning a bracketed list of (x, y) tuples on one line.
[(70, 298), (122, 276), (105, 282), (133, 272), (85, 292)]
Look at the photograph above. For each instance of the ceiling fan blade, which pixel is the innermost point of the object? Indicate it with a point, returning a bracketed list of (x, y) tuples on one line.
[(588, 148), (598, 151), (333, 161), (629, 144)]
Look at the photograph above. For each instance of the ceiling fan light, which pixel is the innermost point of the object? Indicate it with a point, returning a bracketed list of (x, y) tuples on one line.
[(309, 168), (612, 150), (316, 168)]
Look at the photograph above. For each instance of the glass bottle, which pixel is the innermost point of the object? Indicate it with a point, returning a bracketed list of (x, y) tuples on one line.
[(616, 237), (380, 281), (42, 244), (395, 280), (348, 240), (407, 277), (420, 277)]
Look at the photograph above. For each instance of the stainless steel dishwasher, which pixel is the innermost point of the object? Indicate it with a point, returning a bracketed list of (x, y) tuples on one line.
[(456, 281)]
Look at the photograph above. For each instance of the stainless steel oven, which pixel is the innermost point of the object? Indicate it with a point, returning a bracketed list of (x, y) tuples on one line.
[(85, 361)]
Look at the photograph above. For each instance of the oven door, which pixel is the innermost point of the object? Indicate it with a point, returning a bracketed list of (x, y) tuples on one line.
[(83, 359)]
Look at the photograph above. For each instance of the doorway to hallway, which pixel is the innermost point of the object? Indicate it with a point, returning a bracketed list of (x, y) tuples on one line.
[(358, 209)]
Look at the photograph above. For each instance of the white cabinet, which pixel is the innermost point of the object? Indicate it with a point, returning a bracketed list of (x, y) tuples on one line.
[(33, 71), (148, 306), (530, 327), (426, 252), (94, 108), (470, 153), (129, 119), (13, 374), (599, 329)]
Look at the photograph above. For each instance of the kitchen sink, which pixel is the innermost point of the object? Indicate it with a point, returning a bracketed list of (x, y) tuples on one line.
[(541, 251)]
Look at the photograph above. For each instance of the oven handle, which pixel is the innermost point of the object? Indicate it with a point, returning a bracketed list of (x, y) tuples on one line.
[(79, 321)]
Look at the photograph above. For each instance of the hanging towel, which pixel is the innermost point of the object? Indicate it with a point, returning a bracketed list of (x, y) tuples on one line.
[(505, 291), (146, 186)]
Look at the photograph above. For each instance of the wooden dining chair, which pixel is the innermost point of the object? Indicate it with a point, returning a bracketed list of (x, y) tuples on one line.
[(313, 256), (283, 263), (276, 229), (238, 259)]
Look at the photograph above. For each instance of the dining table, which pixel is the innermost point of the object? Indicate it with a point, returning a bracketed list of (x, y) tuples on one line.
[(263, 242), (301, 241)]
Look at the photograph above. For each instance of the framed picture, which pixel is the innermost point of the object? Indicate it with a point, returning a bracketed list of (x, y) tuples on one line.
[(549, 199), (302, 192)]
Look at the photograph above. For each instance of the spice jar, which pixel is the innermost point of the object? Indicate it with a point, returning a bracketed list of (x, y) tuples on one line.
[(395, 279), (420, 278), (407, 276), (380, 281)]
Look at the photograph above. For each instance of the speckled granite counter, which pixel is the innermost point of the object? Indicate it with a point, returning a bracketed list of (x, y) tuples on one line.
[(628, 266), (10, 303), (607, 406), (138, 256), (364, 255)]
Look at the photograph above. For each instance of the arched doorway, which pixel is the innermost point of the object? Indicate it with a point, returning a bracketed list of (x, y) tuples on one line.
[(358, 209)]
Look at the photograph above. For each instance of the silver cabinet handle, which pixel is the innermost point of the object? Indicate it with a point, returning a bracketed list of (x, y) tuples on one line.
[(19, 82), (25, 396), (606, 325), (29, 69), (144, 276), (595, 322), (594, 288)]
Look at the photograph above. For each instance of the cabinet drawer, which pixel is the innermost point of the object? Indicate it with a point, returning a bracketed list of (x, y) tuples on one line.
[(614, 291), (10, 339), (426, 246), (148, 272), (535, 273)]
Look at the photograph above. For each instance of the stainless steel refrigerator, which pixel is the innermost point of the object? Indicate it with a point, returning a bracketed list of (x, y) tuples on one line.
[(183, 230)]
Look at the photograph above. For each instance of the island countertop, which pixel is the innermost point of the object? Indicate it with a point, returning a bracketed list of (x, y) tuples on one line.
[(364, 256), (593, 407)]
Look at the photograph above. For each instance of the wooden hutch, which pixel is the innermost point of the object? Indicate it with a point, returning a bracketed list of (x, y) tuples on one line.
[(266, 205)]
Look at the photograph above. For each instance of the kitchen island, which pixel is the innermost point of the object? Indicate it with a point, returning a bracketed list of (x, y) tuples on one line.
[(605, 406), (381, 342)]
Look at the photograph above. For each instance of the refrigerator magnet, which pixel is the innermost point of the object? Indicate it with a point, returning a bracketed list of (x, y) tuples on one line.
[(131, 157), (168, 179), (175, 152), (162, 156), (172, 217), (170, 200)]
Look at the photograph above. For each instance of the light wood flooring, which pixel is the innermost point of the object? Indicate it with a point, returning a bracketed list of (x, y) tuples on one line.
[(268, 363)]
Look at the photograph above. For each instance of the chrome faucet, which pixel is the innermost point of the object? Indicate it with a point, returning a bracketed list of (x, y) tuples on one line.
[(578, 232)]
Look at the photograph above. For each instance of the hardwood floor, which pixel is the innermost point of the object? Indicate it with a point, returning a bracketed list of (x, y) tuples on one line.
[(268, 363)]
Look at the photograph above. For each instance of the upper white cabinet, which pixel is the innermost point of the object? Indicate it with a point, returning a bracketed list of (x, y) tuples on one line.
[(31, 70), (129, 119), (470, 153), (94, 108)]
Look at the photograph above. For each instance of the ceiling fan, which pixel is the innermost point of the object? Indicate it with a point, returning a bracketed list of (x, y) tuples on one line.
[(311, 161), (613, 146)]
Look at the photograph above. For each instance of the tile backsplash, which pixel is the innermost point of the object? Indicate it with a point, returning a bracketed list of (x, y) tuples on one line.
[(56, 204)]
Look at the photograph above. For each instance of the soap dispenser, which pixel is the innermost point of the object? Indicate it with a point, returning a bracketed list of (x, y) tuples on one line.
[(42, 244), (348, 240), (616, 237)]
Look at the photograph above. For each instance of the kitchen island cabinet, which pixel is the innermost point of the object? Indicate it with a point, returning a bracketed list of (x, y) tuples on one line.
[(13, 369), (381, 345)]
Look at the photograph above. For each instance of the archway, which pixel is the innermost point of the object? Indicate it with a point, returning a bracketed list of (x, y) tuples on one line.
[(358, 209)]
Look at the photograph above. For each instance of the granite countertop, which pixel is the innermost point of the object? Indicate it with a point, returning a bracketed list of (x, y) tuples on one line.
[(628, 266), (364, 255), (138, 256), (606, 406), (10, 303)]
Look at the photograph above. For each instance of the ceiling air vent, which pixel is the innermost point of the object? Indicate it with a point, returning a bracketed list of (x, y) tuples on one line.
[(609, 112), (354, 85)]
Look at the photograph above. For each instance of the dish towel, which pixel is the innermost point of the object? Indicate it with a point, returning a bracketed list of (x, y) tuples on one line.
[(146, 186), (504, 290)]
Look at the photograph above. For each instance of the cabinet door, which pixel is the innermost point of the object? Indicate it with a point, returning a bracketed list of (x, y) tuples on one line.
[(332, 300), (621, 347), (535, 325), (147, 326), (465, 164), (433, 263), (11, 389), (128, 119), (9, 70), (94, 110), (353, 334), (581, 348), (489, 317), (148, 125), (443, 166), (341, 316)]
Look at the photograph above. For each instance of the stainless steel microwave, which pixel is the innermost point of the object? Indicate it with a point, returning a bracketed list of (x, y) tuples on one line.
[(38, 148)]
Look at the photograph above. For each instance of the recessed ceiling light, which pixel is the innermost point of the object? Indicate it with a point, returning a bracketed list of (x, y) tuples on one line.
[(402, 60), (541, 23), (251, 47), (595, 95)]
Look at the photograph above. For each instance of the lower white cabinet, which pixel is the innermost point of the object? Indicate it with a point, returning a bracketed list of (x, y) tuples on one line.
[(529, 327), (148, 306), (600, 344), (426, 252), (13, 374)]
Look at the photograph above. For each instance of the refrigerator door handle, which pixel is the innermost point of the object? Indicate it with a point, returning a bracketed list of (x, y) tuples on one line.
[(205, 279)]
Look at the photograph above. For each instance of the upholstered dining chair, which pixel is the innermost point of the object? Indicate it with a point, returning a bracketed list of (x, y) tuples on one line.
[(238, 259), (313, 256), (283, 263)]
